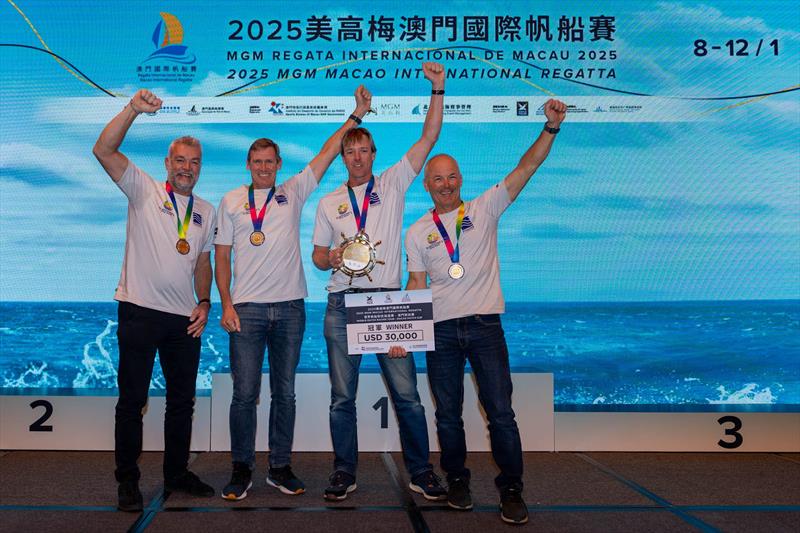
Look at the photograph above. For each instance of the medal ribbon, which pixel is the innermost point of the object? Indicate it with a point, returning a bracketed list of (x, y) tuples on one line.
[(182, 227), (453, 252), (361, 217), (251, 197)]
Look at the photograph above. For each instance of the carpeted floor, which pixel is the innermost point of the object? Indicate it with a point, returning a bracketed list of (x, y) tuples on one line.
[(76, 491)]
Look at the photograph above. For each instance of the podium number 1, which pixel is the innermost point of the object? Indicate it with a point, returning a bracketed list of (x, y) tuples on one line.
[(48, 412), (383, 405)]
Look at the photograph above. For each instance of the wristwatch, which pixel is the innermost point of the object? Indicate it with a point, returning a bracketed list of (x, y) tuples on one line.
[(548, 129)]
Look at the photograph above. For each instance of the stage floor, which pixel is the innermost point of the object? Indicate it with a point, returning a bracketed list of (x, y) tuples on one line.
[(76, 491)]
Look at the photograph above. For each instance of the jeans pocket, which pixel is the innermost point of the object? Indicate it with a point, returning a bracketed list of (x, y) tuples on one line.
[(488, 320)]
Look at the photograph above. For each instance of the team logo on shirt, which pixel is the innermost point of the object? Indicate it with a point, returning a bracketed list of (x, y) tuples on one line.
[(467, 224), (434, 240), (167, 205), (344, 210), (281, 199), (374, 199), (197, 218)]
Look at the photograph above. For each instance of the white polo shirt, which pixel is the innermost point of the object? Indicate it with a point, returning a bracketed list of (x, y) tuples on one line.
[(154, 274), (273, 271), (384, 223), (478, 292)]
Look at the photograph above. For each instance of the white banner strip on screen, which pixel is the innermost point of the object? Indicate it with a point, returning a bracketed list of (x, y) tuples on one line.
[(388, 109)]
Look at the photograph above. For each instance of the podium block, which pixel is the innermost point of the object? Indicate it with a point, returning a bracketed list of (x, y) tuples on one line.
[(86, 422), (377, 424)]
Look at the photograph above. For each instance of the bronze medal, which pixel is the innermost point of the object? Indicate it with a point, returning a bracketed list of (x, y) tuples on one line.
[(182, 246), (257, 238)]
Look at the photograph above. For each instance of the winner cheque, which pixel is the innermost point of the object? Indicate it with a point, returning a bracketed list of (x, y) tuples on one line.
[(378, 320)]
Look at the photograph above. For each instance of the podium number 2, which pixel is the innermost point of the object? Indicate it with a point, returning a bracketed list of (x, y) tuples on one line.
[(732, 431), (48, 412)]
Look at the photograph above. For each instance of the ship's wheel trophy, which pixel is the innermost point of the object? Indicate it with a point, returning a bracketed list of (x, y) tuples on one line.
[(358, 256)]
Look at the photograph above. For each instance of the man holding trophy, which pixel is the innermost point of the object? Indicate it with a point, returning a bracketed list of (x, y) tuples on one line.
[(357, 233)]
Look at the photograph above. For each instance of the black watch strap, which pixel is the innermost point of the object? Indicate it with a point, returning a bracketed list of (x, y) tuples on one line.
[(206, 300), (548, 129)]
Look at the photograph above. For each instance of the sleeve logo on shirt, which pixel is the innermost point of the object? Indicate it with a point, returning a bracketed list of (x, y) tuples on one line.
[(197, 218)]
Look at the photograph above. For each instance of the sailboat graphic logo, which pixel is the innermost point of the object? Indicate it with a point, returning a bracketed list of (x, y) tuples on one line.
[(167, 38)]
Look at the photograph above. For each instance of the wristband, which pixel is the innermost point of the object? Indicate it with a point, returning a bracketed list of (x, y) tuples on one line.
[(355, 119), (437, 91), (550, 130), (206, 300)]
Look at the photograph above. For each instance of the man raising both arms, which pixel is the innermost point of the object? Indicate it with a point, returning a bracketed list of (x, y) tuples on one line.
[(260, 222)]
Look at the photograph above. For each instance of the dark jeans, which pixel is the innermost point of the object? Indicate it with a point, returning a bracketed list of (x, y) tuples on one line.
[(401, 381), (142, 332), (279, 328), (480, 339)]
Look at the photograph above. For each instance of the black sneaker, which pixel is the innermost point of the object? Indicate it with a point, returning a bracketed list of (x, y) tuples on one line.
[(239, 484), (429, 485), (512, 509), (341, 485), (189, 483), (129, 497), (458, 495), (285, 481)]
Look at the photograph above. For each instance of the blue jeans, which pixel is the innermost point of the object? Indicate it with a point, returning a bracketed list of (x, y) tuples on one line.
[(279, 328), (401, 380), (480, 339)]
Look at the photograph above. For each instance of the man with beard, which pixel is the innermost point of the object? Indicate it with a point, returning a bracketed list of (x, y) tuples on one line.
[(167, 261)]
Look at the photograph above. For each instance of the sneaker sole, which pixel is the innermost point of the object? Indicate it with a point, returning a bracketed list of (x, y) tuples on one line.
[(510, 521), (284, 489), (135, 508), (420, 490), (231, 496), (458, 507), (334, 498)]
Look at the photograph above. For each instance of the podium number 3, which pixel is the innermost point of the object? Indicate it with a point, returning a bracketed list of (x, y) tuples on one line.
[(732, 431), (48, 412)]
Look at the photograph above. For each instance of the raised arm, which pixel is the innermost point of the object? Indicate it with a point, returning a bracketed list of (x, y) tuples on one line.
[(319, 165), (106, 149), (418, 153), (555, 111)]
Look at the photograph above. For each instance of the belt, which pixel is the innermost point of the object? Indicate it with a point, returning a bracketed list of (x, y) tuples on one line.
[(359, 289)]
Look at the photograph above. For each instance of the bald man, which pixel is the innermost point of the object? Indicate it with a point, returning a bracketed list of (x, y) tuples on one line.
[(455, 245)]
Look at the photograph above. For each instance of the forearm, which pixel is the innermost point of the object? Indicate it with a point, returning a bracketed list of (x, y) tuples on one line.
[(319, 165), (202, 277), (321, 258), (106, 149), (222, 274)]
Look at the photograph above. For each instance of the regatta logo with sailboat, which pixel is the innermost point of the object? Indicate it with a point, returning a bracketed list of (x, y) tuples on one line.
[(171, 60)]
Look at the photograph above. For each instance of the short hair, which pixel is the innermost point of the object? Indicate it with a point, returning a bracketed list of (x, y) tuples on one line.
[(261, 144), (186, 140), (355, 135)]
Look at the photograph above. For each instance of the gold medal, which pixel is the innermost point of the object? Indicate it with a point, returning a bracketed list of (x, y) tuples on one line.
[(456, 271), (182, 246), (257, 238)]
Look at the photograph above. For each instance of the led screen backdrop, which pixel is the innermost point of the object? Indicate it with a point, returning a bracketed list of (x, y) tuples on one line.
[(654, 259)]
